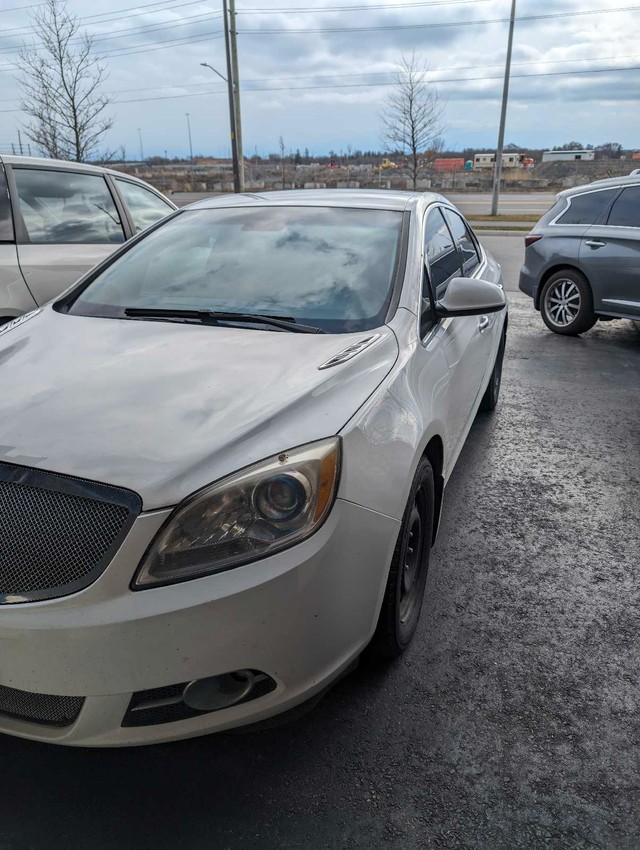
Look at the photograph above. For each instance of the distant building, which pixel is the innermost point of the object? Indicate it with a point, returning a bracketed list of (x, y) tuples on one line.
[(487, 160), (562, 156), (449, 164)]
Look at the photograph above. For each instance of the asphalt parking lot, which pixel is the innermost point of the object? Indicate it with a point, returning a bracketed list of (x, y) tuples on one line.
[(512, 721)]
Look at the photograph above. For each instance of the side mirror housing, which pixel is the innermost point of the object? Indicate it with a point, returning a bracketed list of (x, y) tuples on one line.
[(468, 296)]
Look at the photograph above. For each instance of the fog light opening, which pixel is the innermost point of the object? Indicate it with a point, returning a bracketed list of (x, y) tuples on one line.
[(218, 692)]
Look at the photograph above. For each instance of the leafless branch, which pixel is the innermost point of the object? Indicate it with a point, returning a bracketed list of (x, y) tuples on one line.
[(412, 115), (60, 81)]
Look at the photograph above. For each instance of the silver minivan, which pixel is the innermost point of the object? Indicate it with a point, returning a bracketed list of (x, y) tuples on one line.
[(58, 219)]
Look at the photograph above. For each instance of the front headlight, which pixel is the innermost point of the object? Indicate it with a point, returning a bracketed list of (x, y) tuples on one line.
[(248, 515)]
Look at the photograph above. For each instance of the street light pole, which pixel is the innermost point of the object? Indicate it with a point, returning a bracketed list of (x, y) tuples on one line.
[(236, 91), (503, 115), (190, 144)]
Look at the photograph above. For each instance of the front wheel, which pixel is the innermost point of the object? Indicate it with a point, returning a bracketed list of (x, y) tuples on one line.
[(566, 303), (404, 592), (491, 394)]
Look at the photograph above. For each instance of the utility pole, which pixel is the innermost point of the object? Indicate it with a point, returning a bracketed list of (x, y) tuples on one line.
[(236, 90), (190, 144), (503, 115), (20, 142), (141, 151)]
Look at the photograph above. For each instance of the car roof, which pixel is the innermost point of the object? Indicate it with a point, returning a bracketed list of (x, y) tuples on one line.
[(613, 182), (380, 199), (43, 162)]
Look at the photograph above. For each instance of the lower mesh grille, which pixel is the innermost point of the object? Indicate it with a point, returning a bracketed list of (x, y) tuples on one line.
[(46, 709), (57, 533)]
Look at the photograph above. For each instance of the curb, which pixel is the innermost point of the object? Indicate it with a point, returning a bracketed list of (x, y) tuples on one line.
[(496, 232)]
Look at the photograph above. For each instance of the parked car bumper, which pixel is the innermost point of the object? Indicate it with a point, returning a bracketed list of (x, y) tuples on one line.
[(300, 617), (528, 282)]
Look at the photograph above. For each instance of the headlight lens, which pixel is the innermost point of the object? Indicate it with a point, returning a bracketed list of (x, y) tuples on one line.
[(251, 514)]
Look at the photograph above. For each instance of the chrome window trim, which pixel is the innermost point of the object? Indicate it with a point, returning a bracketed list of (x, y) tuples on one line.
[(425, 264), (554, 222)]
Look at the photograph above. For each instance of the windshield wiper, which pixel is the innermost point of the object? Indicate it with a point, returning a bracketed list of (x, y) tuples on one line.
[(214, 317)]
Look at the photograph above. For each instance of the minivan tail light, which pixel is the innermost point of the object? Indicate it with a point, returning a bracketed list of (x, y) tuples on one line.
[(531, 238)]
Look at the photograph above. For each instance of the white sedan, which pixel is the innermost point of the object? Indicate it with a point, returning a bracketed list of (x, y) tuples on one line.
[(222, 459)]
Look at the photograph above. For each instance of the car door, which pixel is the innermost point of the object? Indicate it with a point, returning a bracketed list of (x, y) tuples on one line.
[(145, 206), (66, 222), (461, 336), (471, 264), (610, 255)]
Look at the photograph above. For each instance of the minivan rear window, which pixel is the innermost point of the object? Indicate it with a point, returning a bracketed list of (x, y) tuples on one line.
[(585, 209), (6, 221)]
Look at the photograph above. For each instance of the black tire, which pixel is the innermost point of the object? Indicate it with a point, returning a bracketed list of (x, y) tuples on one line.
[(561, 293), (404, 592), (492, 392)]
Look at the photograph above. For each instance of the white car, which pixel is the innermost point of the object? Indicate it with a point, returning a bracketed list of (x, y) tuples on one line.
[(223, 456)]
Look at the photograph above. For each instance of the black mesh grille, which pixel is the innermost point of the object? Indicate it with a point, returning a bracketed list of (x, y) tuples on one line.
[(47, 709), (54, 540)]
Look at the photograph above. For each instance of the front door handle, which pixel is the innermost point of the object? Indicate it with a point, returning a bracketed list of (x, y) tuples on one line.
[(593, 243), (483, 323)]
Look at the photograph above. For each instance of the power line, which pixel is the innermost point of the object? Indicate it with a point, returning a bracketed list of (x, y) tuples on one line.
[(29, 28), (369, 85), (521, 19), (374, 74), (20, 8), (207, 16), (303, 10)]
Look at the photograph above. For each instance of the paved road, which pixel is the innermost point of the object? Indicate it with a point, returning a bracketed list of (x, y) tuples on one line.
[(509, 252), (513, 720), (533, 203)]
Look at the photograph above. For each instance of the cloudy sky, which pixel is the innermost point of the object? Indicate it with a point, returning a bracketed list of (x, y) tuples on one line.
[(314, 71)]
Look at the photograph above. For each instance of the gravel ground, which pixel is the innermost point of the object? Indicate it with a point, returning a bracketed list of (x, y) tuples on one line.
[(511, 722)]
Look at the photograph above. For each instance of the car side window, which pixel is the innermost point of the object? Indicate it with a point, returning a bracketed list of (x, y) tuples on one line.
[(625, 211), (145, 206), (66, 207), (6, 221), (586, 209), (440, 252), (427, 315), (464, 242)]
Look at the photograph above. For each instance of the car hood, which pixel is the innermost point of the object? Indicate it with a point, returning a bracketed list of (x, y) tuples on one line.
[(165, 408)]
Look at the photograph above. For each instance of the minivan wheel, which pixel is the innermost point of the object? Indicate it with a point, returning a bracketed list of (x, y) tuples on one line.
[(566, 303), (404, 592)]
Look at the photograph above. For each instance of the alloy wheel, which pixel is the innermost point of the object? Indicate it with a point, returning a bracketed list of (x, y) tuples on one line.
[(562, 302)]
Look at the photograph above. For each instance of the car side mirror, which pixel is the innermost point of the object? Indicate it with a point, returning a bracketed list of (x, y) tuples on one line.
[(469, 296)]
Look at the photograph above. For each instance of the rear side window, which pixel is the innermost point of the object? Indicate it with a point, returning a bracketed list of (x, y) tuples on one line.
[(444, 260), (585, 209), (464, 242), (145, 207), (6, 222), (625, 212), (63, 207)]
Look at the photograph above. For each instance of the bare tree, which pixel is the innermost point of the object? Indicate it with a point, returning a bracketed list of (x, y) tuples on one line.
[(412, 115), (61, 79), (281, 146)]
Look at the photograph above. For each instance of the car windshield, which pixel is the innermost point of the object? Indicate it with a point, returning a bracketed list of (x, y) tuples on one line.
[(328, 267)]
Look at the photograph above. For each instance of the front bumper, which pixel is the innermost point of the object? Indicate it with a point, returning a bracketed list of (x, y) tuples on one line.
[(300, 616)]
